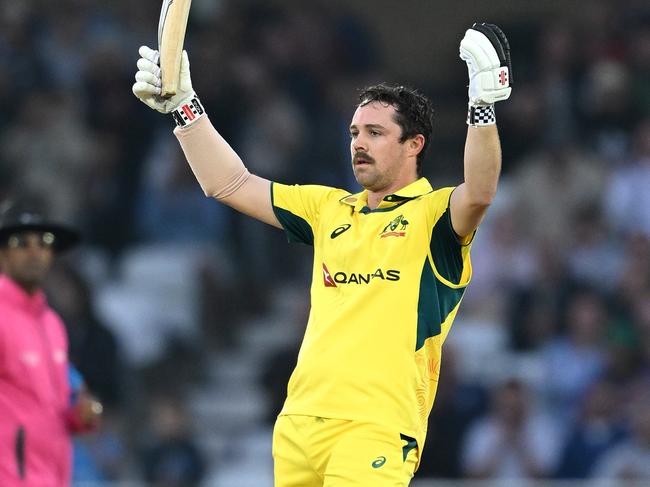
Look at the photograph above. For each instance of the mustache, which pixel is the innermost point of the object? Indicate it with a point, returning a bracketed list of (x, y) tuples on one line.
[(362, 155)]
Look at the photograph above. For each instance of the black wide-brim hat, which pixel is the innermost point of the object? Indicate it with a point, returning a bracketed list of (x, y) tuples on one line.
[(15, 220)]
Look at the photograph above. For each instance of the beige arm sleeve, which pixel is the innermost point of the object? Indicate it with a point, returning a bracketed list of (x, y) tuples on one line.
[(217, 167)]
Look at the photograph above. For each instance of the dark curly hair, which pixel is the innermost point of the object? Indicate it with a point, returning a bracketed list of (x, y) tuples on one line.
[(414, 113)]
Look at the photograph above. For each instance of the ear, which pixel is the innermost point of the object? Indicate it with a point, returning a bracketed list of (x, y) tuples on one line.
[(415, 144)]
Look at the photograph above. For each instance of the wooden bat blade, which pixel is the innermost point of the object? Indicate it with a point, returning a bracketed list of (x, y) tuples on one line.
[(171, 36)]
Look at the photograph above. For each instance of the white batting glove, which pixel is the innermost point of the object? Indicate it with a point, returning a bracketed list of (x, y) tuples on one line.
[(147, 82), (486, 51)]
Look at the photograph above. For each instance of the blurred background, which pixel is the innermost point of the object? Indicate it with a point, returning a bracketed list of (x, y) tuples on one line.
[(185, 318)]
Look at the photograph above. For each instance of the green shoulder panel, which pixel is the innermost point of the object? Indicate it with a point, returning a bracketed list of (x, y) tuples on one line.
[(446, 250), (435, 302), (296, 228)]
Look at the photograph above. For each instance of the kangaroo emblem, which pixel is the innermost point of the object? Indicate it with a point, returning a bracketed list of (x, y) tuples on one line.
[(391, 230)]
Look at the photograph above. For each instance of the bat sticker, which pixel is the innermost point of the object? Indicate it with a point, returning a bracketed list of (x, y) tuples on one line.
[(167, 4)]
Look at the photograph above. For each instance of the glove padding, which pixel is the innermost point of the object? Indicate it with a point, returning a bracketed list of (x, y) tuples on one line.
[(486, 51), (147, 82)]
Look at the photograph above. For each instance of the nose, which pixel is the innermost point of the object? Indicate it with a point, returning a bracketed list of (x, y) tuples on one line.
[(35, 251), (359, 144)]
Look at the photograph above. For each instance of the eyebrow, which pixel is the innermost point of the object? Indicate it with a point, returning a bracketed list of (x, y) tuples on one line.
[(369, 126)]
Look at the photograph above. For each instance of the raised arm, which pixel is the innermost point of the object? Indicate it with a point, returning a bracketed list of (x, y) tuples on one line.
[(217, 167), (222, 174), (471, 199), (486, 51)]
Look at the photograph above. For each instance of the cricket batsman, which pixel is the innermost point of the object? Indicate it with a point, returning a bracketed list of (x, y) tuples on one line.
[(365, 381)]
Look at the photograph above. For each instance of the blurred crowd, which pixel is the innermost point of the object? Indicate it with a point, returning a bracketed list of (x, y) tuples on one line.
[(547, 371)]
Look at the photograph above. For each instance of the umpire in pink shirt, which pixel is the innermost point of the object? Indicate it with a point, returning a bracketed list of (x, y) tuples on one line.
[(37, 412)]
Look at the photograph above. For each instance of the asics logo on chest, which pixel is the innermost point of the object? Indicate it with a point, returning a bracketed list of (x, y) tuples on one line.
[(339, 230)]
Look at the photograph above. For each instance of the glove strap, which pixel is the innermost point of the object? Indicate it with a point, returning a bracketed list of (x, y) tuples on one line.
[(188, 112), (481, 115)]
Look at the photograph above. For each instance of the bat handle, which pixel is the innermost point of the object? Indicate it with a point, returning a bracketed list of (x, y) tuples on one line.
[(168, 88)]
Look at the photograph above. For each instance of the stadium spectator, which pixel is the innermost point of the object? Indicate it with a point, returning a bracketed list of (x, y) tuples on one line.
[(55, 149), (170, 209), (630, 461), (92, 347), (599, 428), (171, 458), (513, 441), (627, 198), (550, 186), (575, 359)]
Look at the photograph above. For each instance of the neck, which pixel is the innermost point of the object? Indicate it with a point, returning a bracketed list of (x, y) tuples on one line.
[(29, 287), (31, 290), (375, 197)]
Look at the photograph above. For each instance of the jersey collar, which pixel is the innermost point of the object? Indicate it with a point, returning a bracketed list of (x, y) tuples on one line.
[(414, 190)]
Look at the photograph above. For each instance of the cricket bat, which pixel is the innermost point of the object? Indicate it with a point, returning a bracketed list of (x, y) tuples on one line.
[(171, 35)]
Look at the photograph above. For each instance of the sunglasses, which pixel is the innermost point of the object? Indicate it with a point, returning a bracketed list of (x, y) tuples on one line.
[(24, 240)]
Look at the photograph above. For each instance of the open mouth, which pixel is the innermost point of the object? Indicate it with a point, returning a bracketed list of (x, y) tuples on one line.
[(362, 160)]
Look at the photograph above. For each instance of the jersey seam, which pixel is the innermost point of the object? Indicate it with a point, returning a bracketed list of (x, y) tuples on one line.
[(304, 438), (446, 282)]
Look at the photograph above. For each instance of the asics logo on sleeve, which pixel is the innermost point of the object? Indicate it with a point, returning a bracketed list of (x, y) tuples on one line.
[(378, 462), (339, 230)]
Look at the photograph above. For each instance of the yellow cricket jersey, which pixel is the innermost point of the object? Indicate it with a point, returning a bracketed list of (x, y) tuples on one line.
[(386, 287)]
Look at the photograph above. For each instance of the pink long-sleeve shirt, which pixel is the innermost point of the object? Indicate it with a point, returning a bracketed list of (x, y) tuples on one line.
[(35, 445)]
